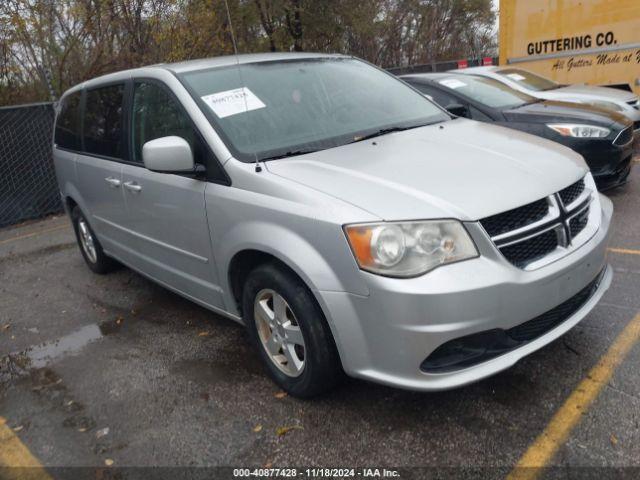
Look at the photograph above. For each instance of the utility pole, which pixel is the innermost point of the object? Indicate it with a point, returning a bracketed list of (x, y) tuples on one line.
[(49, 84)]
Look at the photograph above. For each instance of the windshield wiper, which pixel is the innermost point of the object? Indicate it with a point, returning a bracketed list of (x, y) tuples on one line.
[(384, 131), (291, 153)]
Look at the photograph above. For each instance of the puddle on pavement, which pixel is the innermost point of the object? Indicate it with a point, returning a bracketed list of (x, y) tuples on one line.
[(19, 363), (41, 355)]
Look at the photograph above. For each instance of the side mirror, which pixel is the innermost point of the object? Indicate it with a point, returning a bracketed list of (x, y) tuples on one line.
[(168, 154), (457, 109)]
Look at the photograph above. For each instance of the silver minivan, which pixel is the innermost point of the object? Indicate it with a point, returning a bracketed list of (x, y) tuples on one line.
[(350, 223)]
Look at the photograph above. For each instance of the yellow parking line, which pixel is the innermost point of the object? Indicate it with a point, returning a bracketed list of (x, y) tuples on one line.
[(542, 451), (13, 453), (33, 234), (625, 251)]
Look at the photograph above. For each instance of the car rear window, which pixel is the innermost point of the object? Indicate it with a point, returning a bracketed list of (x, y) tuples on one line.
[(487, 91), (528, 79), (103, 116), (67, 133)]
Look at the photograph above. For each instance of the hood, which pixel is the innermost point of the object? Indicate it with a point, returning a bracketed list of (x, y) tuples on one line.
[(599, 93), (551, 111), (458, 169)]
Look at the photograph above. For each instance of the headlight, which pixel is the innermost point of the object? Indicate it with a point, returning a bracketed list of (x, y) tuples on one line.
[(580, 131), (606, 105), (408, 249)]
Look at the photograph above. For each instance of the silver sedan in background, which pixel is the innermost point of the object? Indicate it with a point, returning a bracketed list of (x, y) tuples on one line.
[(619, 101)]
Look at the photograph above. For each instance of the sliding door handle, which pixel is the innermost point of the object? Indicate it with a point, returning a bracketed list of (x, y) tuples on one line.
[(133, 186), (113, 182)]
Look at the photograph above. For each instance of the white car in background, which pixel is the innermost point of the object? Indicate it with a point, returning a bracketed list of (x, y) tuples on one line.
[(626, 103)]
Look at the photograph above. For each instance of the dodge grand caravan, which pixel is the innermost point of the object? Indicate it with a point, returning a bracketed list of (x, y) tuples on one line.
[(350, 223)]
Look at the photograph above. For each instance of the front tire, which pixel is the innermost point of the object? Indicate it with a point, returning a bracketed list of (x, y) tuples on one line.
[(90, 247), (290, 332)]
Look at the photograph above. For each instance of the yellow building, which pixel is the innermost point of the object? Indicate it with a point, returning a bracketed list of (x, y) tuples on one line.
[(574, 41)]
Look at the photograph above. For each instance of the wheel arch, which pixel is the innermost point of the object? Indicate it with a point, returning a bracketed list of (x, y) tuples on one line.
[(246, 260), (71, 197), (322, 267)]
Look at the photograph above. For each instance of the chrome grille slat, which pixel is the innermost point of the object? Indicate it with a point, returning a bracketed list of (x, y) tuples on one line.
[(523, 236), (552, 213), (537, 236), (531, 249), (516, 218)]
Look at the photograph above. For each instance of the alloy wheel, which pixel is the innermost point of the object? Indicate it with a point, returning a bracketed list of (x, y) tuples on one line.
[(279, 332), (86, 241)]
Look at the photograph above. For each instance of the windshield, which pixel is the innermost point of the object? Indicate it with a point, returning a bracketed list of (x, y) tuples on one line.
[(528, 80), (269, 109), (487, 91)]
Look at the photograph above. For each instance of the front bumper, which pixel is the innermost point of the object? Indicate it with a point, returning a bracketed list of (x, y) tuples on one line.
[(610, 164), (615, 178), (384, 337)]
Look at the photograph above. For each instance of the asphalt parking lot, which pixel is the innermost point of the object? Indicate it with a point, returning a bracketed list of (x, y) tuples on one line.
[(115, 371)]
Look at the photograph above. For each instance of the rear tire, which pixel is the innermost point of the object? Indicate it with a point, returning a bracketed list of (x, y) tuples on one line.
[(289, 330), (90, 247)]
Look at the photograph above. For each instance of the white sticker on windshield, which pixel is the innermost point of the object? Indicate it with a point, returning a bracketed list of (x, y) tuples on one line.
[(452, 83), (230, 102), (515, 76)]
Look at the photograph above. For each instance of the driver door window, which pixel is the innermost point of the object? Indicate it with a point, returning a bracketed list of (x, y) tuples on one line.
[(156, 114)]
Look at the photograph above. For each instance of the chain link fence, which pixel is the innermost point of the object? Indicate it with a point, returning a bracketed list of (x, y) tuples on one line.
[(28, 187)]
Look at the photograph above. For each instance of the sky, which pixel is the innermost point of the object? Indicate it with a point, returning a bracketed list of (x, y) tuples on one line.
[(496, 7)]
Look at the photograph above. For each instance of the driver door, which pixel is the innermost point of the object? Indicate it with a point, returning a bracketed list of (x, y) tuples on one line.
[(166, 217)]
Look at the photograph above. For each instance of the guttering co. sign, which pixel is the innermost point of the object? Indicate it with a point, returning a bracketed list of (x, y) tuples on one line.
[(574, 41)]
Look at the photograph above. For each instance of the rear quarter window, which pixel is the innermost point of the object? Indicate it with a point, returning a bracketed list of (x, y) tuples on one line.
[(67, 132), (103, 121)]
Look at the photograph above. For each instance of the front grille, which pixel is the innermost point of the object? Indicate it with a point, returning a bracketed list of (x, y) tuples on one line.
[(624, 137), (636, 125), (522, 253), (572, 192), (542, 324), (470, 350), (517, 218), (577, 223), (534, 231)]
